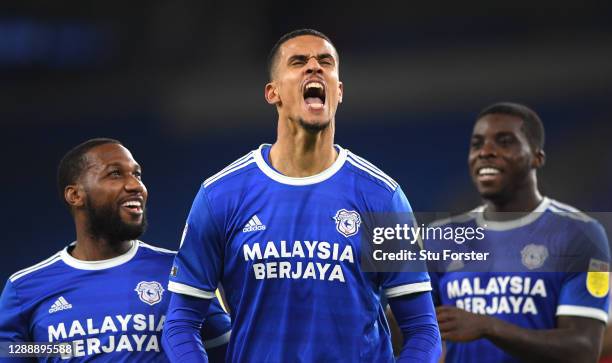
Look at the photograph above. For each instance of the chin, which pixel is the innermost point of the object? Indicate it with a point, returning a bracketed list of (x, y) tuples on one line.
[(314, 125)]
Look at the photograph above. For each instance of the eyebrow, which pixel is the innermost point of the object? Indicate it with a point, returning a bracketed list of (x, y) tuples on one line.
[(305, 58), (119, 165)]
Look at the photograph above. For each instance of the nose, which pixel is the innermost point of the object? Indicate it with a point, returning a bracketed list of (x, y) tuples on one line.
[(313, 66), (135, 185), (487, 150)]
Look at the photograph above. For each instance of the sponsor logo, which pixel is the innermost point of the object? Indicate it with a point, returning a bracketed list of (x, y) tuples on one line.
[(598, 278), (60, 304), (254, 224)]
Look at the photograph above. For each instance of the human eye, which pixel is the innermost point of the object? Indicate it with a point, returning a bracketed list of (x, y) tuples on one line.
[(326, 62), (506, 140), (113, 173), (476, 143)]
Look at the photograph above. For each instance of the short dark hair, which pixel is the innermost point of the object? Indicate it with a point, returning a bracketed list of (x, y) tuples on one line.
[(532, 127), (273, 55), (73, 163)]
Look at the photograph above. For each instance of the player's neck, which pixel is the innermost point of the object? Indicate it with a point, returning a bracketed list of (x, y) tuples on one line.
[(521, 204), (301, 153), (94, 248)]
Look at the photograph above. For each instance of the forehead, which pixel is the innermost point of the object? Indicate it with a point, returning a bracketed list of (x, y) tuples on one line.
[(495, 123), (308, 45), (101, 156)]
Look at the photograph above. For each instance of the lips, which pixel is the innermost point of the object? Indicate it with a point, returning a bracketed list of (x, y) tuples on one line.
[(488, 173), (314, 94), (133, 205)]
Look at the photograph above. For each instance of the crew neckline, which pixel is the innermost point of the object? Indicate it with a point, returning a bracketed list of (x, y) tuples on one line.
[(309, 180), (515, 223), (99, 264)]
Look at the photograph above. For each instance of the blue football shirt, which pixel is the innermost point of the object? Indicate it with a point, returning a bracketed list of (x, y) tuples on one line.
[(287, 253), (111, 310), (552, 262)]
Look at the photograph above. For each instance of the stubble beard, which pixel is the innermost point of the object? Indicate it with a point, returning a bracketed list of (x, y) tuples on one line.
[(105, 222), (312, 127)]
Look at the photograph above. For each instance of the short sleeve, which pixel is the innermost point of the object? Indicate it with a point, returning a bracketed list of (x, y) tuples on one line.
[(435, 289), (198, 264), (586, 293), (414, 278)]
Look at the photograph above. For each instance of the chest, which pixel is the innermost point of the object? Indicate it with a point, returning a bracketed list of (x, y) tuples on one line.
[(98, 304)]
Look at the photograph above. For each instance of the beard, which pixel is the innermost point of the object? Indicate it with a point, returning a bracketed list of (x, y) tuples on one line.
[(105, 222), (313, 127)]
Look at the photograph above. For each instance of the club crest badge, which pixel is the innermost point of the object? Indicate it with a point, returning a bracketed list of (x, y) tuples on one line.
[(347, 222), (149, 292), (533, 256)]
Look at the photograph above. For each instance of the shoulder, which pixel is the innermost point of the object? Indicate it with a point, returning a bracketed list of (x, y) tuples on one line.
[(369, 173), (156, 250), (563, 210), (36, 269), (572, 220), (459, 219), (229, 173)]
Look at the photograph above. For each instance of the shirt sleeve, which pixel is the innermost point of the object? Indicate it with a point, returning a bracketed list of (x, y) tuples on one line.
[(198, 264), (13, 326), (217, 326), (413, 278), (416, 317), (585, 293)]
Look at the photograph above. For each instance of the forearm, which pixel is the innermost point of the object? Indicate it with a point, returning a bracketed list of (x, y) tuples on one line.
[(415, 316), (555, 345), (606, 349), (181, 335)]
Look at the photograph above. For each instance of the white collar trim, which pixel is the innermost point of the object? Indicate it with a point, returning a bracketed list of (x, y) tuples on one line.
[(100, 264), (313, 179), (516, 223)]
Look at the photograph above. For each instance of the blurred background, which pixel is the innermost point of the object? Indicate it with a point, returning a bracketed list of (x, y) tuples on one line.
[(181, 85)]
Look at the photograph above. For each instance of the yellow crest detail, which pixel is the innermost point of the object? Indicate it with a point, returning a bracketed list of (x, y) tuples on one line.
[(598, 283)]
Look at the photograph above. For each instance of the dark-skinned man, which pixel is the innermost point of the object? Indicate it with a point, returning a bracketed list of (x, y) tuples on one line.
[(542, 295), (105, 293)]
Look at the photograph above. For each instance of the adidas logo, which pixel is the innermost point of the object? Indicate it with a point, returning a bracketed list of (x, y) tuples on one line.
[(60, 304), (254, 225)]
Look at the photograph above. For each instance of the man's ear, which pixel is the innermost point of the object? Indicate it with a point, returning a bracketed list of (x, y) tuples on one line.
[(74, 194), (340, 91), (539, 159), (271, 93)]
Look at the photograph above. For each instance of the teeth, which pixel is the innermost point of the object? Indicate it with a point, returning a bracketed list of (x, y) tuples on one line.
[(132, 203), (314, 85), (488, 171)]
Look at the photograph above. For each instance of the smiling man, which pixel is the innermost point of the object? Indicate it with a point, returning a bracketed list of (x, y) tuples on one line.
[(105, 292), (280, 229), (543, 294)]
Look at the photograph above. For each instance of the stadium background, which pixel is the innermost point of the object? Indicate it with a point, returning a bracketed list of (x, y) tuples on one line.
[(181, 84)]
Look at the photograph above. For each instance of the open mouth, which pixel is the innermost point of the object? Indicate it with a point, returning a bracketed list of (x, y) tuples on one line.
[(134, 206), (487, 173), (314, 95)]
